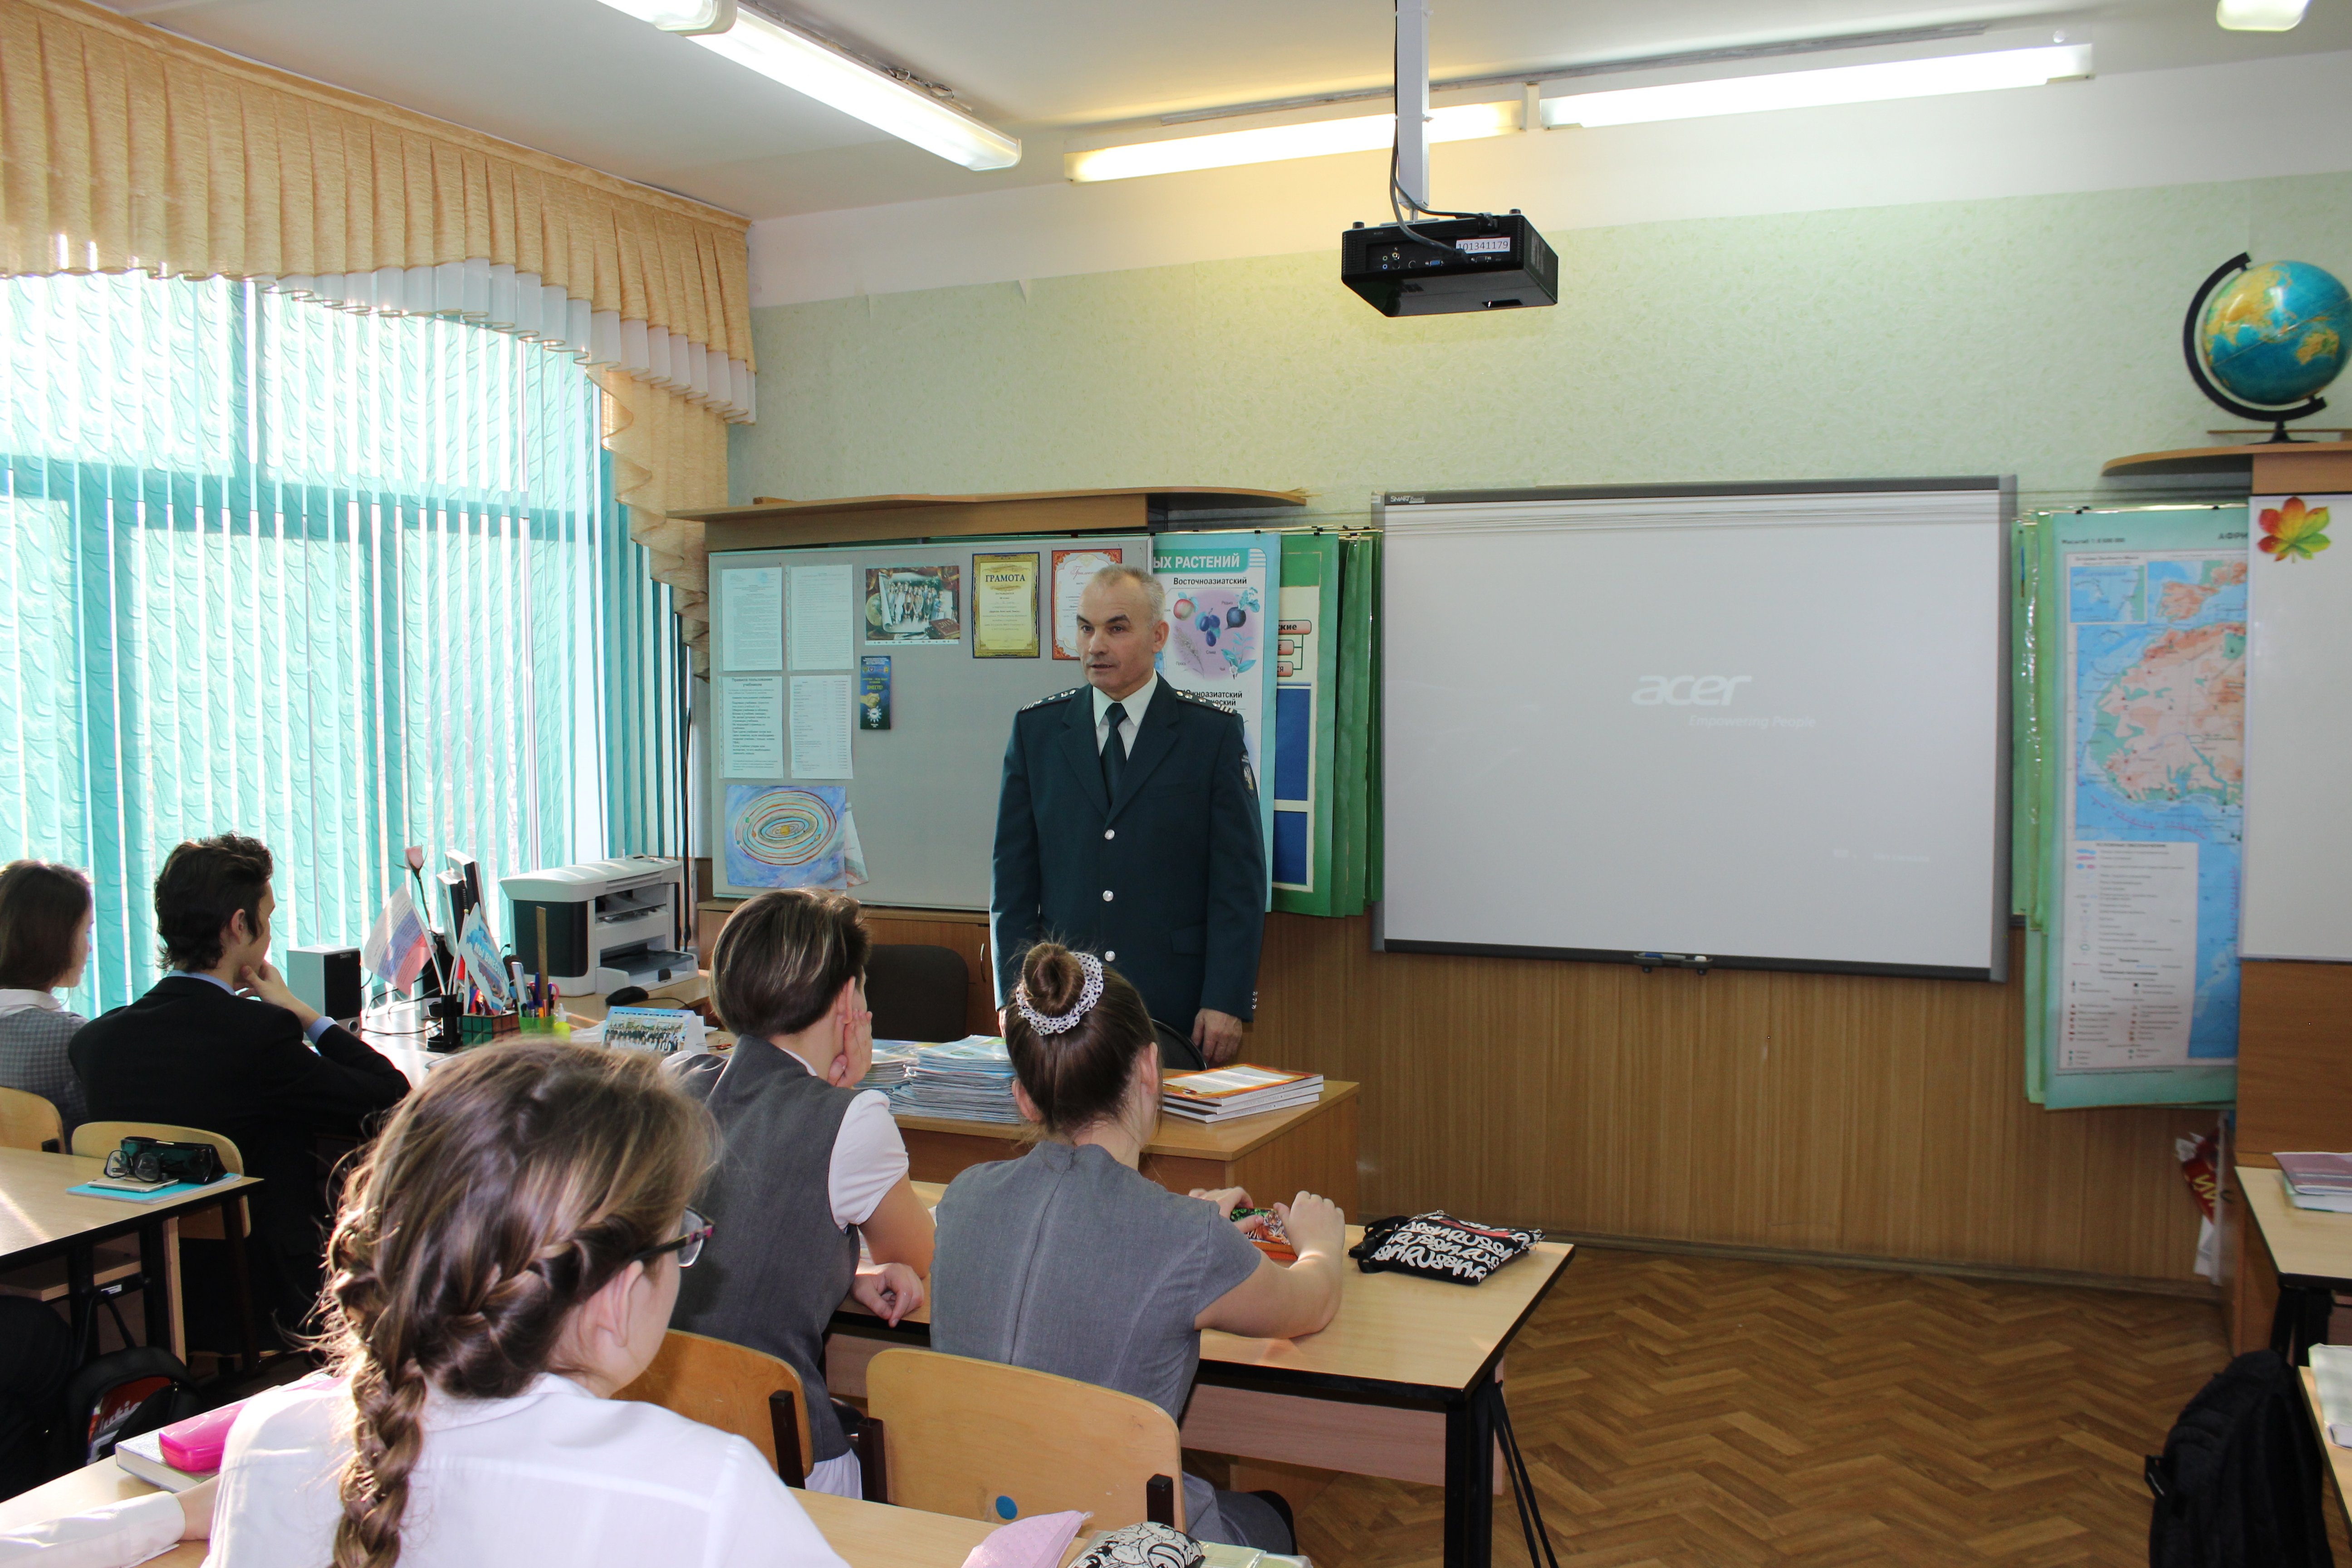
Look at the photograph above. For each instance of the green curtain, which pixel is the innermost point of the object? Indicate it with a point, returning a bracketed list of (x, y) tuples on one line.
[(341, 582)]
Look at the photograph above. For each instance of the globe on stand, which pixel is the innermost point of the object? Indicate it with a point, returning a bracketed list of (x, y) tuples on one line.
[(2263, 342)]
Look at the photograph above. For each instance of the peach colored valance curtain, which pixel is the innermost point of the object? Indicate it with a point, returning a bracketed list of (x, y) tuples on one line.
[(124, 148)]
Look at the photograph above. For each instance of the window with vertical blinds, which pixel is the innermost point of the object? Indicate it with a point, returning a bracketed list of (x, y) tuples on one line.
[(345, 583)]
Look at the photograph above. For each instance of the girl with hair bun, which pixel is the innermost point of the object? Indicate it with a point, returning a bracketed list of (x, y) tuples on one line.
[(1069, 1260), (505, 1261)]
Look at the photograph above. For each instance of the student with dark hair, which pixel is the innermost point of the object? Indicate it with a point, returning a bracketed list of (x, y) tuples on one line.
[(45, 918), (504, 1264), (1069, 1260), (221, 1044), (811, 1163)]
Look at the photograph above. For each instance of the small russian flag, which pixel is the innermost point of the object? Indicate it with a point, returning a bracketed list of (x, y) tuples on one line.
[(398, 945)]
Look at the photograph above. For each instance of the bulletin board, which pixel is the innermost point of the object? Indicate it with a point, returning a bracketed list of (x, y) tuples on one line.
[(920, 793)]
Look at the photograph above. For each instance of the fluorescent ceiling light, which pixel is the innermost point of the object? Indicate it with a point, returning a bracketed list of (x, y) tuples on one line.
[(1272, 143), (2260, 15), (1807, 90), (681, 15), (812, 67)]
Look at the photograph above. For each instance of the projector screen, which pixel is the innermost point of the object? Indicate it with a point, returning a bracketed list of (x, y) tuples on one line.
[(1764, 727)]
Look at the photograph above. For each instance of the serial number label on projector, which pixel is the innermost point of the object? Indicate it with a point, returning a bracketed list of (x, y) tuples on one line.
[(1491, 246)]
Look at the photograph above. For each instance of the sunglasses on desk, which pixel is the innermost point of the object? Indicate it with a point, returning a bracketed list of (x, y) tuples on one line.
[(686, 1243)]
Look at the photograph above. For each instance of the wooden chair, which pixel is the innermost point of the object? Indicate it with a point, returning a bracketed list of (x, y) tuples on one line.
[(981, 1440), (229, 1222), (735, 1388), (30, 1121)]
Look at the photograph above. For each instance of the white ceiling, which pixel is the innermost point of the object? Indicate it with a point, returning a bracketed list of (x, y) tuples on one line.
[(578, 79)]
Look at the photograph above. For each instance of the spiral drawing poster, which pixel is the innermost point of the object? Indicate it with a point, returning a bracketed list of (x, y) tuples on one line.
[(791, 836)]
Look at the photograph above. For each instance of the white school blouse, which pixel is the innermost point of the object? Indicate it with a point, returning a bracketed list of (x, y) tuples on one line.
[(555, 1475)]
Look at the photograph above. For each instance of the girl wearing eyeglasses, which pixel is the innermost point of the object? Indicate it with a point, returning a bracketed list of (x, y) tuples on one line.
[(506, 1260)]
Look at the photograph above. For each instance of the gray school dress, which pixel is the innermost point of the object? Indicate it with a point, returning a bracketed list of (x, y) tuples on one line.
[(1066, 1261)]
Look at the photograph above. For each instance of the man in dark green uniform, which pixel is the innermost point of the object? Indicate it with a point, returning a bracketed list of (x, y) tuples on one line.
[(1128, 826)]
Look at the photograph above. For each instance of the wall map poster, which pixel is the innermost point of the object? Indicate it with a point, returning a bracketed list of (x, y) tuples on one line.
[(2151, 783)]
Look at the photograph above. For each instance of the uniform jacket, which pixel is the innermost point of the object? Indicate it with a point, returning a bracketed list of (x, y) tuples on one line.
[(1167, 883)]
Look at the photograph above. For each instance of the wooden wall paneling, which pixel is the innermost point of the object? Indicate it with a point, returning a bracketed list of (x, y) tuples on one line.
[(2295, 1058), (1853, 1115), (2295, 1091)]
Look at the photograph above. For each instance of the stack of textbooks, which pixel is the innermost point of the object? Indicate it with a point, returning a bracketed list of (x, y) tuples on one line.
[(891, 1061), (1240, 1090), (969, 1079), (2318, 1181)]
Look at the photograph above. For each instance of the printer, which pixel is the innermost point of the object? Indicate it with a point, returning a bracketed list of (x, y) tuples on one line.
[(604, 923)]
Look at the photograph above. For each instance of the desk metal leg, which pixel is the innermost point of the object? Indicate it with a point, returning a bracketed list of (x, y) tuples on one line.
[(156, 1285), (1470, 1477), (81, 1293), (2301, 1319), (231, 1210)]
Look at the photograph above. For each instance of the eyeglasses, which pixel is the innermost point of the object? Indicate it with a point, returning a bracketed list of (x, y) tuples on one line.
[(687, 1245)]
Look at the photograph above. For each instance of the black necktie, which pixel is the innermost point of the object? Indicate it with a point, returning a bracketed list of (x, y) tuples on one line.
[(1114, 751)]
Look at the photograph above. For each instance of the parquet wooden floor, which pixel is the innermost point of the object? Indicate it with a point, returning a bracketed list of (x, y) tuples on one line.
[(1680, 1411)]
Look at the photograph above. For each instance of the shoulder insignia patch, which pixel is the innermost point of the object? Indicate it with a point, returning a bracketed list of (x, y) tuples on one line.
[(1057, 696), (1197, 701)]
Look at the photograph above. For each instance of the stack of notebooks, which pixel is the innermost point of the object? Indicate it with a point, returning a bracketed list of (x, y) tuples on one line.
[(891, 1061), (2318, 1181), (969, 1079), (1240, 1090)]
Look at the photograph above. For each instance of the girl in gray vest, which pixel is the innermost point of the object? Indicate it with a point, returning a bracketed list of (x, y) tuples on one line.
[(812, 1163), (1068, 1261)]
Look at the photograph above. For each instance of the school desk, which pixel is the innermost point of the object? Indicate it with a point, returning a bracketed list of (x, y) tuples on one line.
[(1404, 1383), (40, 1219), (2312, 1250), (867, 1534), (1274, 1154), (2339, 1460)]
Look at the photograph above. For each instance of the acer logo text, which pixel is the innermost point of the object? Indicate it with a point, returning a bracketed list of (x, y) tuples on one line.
[(1688, 690)]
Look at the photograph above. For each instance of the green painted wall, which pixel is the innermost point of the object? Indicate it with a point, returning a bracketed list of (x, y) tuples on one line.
[(2029, 335)]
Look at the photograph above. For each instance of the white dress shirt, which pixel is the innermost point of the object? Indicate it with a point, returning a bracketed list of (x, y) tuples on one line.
[(553, 1476), (114, 1536), (1134, 703)]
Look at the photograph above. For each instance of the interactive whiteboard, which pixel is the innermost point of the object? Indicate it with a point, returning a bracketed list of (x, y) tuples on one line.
[(1743, 726)]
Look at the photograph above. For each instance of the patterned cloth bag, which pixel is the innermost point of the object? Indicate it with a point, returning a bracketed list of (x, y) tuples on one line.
[(1143, 1545), (1436, 1246)]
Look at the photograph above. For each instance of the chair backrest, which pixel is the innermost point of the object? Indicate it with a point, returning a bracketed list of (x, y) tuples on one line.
[(982, 1440), (917, 992), (97, 1140), (27, 1120), (730, 1386)]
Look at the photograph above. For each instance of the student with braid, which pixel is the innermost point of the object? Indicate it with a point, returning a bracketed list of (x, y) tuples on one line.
[(505, 1261)]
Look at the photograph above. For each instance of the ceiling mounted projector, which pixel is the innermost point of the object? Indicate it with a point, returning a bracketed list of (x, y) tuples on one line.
[(1446, 266), (1430, 262)]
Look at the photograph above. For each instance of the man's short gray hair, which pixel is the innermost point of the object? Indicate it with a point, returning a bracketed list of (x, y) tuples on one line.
[(1155, 593)]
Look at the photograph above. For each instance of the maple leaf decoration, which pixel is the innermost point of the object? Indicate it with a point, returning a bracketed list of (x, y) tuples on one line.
[(2293, 530)]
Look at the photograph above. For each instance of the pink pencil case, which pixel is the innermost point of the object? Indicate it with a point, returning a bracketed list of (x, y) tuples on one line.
[(196, 1443)]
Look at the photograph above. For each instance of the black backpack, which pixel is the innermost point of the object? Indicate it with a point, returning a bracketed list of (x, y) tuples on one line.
[(122, 1394), (2238, 1484)]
